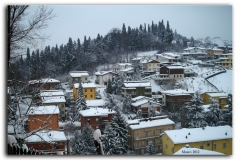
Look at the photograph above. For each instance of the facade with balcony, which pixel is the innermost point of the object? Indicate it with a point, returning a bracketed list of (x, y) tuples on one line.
[(96, 117), (225, 60), (145, 130), (102, 77), (143, 103), (137, 88), (76, 76)]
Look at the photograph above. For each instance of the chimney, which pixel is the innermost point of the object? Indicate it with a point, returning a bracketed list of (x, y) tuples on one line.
[(187, 146), (186, 137), (226, 133), (203, 128), (189, 133)]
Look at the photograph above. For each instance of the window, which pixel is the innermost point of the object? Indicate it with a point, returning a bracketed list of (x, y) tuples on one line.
[(45, 122), (43, 147), (88, 120), (153, 140), (91, 90), (166, 146), (172, 150), (91, 96), (160, 130), (154, 132), (96, 119), (201, 147), (85, 96), (85, 90), (224, 145), (174, 76), (137, 143), (146, 133), (85, 78), (177, 75), (208, 144), (146, 142), (137, 135), (214, 146)]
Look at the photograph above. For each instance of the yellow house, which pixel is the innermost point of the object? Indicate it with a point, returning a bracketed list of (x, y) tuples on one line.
[(218, 139), (226, 60), (221, 98), (141, 132), (89, 90)]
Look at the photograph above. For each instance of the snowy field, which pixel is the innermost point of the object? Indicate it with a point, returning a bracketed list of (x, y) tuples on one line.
[(149, 53), (223, 81), (196, 84)]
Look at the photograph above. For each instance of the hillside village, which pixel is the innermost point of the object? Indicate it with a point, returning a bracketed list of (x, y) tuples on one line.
[(165, 102)]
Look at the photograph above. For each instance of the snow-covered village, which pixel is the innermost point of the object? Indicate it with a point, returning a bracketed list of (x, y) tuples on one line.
[(134, 91)]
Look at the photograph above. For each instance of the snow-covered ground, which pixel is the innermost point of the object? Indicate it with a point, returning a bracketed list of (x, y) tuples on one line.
[(196, 84), (223, 81), (148, 53), (155, 87)]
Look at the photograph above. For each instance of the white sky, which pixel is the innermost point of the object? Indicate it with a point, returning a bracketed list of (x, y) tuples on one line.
[(79, 20), (173, 24)]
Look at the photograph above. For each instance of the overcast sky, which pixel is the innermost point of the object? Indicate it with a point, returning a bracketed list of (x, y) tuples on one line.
[(77, 21)]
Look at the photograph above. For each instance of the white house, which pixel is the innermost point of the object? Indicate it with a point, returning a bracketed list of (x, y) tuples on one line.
[(102, 77), (75, 76)]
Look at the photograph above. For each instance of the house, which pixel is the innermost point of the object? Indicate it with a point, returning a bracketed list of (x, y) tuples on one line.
[(46, 83), (76, 76), (102, 77), (96, 117), (48, 141), (221, 98), (137, 88), (89, 90), (171, 72), (176, 97), (150, 65), (218, 139), (226, 60), (128, 71), (189, 151), (136, 62), (141, 132), (45, 117), (143, 103), (59, 101), (195, 52), (121, 66), (214, 52), (168, 57)]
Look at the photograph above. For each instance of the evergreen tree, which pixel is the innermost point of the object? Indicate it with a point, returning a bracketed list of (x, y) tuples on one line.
[(127, 104), (109, 87), (83, 143), (195, 114), (115, 136), (139, 114), (162, 32), (214, 116), (151, 111), (150, 149), (168, 35), (227, 113)]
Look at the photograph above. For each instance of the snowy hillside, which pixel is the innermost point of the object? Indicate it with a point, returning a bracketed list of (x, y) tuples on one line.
[(223, 81), (216, 40), (149, 53)]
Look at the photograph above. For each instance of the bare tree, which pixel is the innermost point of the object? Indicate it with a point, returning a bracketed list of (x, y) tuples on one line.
[(24, 30)]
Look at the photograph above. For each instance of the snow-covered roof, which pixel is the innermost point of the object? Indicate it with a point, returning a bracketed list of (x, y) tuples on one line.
[(96, 112), (49, 93), (175, 67), (75, 123), (223, 58), (100, 73), (140, 102), (44, 80), (199, 134), (137, 98), (78, 73), (126, 69), (95, 102), (135, 121), (138, 58), (153, 123), (223, 95), (55, 99), (137, 84), (216, 49), (86, 85), (41, 110), (49, 136), (189, 48), (123, 64), (189, 151), (177, 91), (171, 54)]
